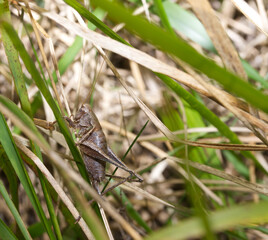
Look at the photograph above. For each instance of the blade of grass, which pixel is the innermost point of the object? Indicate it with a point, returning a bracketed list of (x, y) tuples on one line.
[(23, 117), (14, 211), (163, 16), (17, 163), (176, 46), (7, 168), (188, 24), (5, 232), (220, 220), (13, 60)]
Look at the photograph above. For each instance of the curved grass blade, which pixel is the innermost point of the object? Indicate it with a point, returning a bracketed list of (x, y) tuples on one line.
[(7, 168), (163, 16), (14, 212), (23, 117)]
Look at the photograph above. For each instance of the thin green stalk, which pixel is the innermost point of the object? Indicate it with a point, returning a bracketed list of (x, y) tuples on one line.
[(14, 212)]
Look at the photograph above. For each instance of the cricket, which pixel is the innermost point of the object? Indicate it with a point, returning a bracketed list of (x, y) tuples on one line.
[(94, 148)]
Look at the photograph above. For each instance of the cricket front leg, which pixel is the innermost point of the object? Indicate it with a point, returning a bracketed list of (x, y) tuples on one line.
[(45, 124), (86, 133)]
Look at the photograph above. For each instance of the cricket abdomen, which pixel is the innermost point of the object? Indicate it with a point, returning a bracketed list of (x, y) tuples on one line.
[(95, 168)]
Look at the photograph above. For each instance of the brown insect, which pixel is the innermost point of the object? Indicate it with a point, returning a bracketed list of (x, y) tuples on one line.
[(93, 146)]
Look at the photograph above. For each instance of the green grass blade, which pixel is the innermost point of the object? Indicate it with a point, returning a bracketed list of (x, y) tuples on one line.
[(14, 63), (132, 212), (163, 16), (14, 211), (7, 168), (93, 19), (29, 64), (17, 163), (179, 48), (27, 121), (253, 74), (5, 232), (50, 207), (220, 220)]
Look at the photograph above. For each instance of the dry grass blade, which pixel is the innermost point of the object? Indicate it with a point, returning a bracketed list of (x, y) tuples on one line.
[(240, 181), (130, 187), (146, 110), (193, 130), (106, 223), (57, 136), (191, 177), (251, 14), (35, 27), (218, 36)]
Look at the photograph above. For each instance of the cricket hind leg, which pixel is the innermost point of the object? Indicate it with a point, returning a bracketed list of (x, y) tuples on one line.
[(123, 166), (116, 185), (119, 177), (127, 179)]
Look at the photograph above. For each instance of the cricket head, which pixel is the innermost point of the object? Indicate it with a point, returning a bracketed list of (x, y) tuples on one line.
[(85, 118)]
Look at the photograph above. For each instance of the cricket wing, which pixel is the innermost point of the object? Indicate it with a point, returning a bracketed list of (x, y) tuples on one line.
[(94, 151)]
